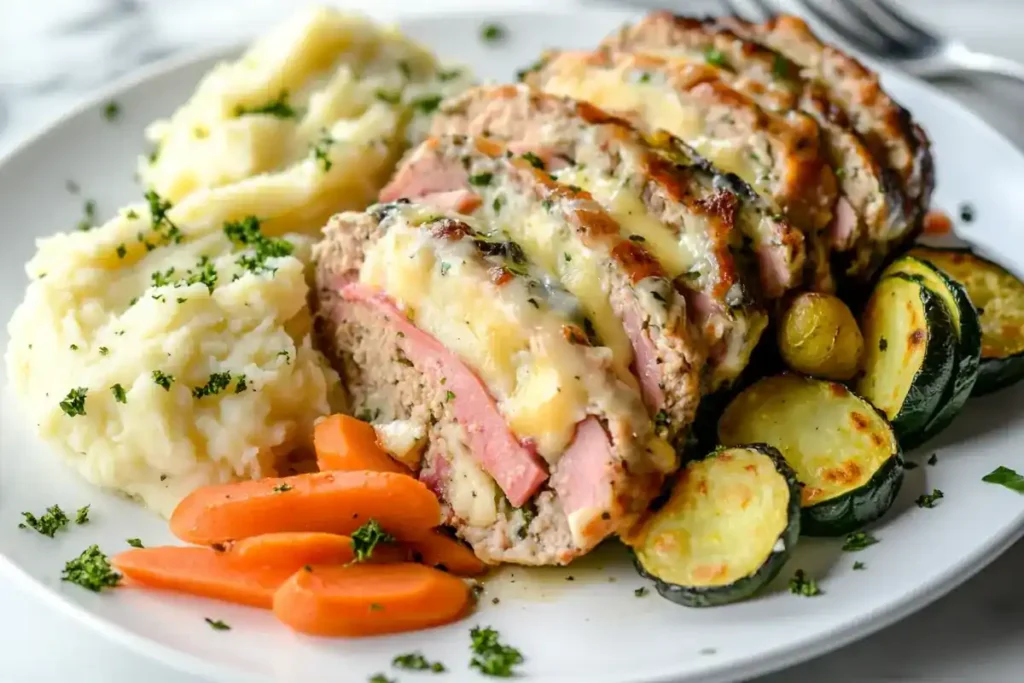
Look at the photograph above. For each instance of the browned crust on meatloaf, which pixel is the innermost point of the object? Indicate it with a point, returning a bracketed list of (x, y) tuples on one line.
[(886, 127), (385, 385), (680, 351), (681, 195), (774, 81), (800, 180)]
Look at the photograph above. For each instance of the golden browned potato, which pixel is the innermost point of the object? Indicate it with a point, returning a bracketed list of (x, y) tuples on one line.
[(818, 336)]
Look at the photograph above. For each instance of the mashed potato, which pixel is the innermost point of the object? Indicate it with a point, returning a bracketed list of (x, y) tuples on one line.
[(171, 347), (157, 371), (323, 76)]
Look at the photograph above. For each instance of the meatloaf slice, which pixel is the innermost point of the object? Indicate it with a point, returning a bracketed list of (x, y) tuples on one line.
[(887, 128), (869, 213), (536, 448), (631, 305), (689, 220), (777, 153)]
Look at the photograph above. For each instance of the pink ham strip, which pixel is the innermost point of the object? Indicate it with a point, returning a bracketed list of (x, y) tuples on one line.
[(584, 474), (459, 201), (645, 357), (844, 222), (518, 472)]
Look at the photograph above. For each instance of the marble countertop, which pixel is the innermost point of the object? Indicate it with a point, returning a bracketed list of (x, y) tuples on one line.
[(55, 52)]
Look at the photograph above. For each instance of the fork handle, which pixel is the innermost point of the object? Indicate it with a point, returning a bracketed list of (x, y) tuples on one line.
[(965, 59)]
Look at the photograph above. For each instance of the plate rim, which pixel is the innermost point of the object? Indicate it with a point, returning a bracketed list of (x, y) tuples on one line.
[(810, 647)]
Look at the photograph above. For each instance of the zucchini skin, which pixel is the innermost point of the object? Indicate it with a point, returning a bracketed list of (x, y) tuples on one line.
[(855, 509), (928, 387), (994, 373), (968, 351), (748, 586)]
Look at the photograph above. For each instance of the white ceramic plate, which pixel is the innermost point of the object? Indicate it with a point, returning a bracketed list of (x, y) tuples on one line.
[(592, 628)]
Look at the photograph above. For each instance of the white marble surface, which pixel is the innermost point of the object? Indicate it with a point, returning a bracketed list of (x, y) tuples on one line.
[(54, 52)]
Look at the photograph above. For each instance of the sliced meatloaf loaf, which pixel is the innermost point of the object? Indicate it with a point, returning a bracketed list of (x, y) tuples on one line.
[(536, 447), (869, 214), (886, 127), (630, 304), (691, 221), (777, 153)]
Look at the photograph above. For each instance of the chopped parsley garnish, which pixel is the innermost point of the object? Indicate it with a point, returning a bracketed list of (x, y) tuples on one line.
[(801, 584), (366, 538), (445, 75), (73, 347), (534, 160), (82, 515), (217, 383), (492, 33), (162, 225), (162, 279), (547, 204), (104, 351), (406, 70), (49, 523), (134, 542), (449, 395), (883, 344), (445, 267), (111, 111), (415, 661), (966, 212), (567, 257), (714, 57), (131, 214), (241, 385), (641, 591), (91, 570), (381, 678), (391, 97), (217, 624), (857, 566), (278, 107), (534, 303), (496, 204), (491, 656), (74, 403), (283, 487), (780, 66), (661, 419), (427, 104), (204, 274), (637, 238), (858, 540), (162, 379), (89, 219), (122, 250), (246, 232), (1004, 476), (481, 179), (933, 459), (119, 393), (928, 500), (287, 356), (322, 151)]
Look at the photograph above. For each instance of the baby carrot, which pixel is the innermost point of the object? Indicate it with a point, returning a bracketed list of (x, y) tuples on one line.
[(298, 548), (330, 502), (364, 600), (440, 550), (203, 572), (345, 443)]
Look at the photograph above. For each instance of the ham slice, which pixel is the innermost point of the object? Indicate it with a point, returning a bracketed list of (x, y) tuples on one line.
[(645, 359), (516, 470), (584, 480)]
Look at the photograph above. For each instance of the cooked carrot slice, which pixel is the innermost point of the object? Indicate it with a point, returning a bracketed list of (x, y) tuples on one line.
[(345, 443), (364, 600), (331, 502), (204, 572), (298, 548), (444, 552)]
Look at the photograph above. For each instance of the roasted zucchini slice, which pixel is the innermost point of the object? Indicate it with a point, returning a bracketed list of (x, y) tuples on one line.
[(998, 297), (966, 326), (728, 526), (843, 450), (909, 352)]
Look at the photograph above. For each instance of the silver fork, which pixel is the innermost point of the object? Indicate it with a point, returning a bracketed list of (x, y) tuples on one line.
[(879, 30)]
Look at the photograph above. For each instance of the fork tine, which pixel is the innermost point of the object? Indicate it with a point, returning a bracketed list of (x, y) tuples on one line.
[(878, 32), (765, 9), (732, 9), (854, 38), (916, 30)]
